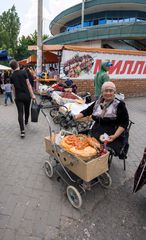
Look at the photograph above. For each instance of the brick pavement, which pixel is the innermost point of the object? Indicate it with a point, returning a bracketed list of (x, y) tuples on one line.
[(33, 207)]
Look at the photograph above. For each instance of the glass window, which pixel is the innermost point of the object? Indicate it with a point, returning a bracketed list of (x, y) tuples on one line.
[(87, 24), (140, 20), (115, 20), (126, 20), (132, 19), (102, 21), (121, 20), (109, 21)]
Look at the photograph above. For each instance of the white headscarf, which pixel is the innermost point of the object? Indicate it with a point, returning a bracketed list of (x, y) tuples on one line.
[(108, 85)]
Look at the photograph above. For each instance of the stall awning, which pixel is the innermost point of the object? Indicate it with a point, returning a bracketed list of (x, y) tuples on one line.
[(54, 48), (48, 57), (47, 47), (23, 62), (2, 67)]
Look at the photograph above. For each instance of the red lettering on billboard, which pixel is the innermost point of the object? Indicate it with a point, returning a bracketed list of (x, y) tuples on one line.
[(97, 66), (144, 71), (116, 67), (138, 67), (127, 66)]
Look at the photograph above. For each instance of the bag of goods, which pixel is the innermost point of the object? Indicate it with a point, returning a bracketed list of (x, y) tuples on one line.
[(81, 145), (35, 110), (70, 95)]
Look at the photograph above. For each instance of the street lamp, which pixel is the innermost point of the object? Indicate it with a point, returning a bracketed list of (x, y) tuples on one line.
[(83, 7), (39, 36)]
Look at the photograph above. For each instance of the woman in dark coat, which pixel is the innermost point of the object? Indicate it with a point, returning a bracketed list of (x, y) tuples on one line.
[(110, 116)]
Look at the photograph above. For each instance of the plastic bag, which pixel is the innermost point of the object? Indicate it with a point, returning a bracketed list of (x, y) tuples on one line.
[(35, 110)]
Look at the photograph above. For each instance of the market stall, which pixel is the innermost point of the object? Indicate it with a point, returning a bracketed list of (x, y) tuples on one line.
[(82, 63)]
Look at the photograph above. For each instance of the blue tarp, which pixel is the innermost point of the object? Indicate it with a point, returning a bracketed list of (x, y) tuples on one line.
[(4, 56)]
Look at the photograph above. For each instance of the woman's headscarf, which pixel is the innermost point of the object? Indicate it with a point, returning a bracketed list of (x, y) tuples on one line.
[(108, 85)]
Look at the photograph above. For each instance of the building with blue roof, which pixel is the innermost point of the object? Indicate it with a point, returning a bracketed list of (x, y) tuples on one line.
[(119, 24)]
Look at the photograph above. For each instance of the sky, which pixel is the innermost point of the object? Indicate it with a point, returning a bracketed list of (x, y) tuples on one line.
[(27, 12)]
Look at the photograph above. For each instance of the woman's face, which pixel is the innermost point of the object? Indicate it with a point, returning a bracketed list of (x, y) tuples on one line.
[(108, 94)]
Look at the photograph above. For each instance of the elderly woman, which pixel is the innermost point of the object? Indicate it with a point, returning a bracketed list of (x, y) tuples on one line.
[(110, 116)]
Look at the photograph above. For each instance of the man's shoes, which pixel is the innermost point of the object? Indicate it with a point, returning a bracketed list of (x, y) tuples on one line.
[(22, 134), (26, 123)]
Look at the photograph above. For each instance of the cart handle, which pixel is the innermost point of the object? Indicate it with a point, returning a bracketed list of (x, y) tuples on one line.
[(54, 106), (48, 120), (46, 116)]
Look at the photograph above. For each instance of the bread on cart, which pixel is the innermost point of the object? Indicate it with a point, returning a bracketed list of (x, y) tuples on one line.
[(81, 145)]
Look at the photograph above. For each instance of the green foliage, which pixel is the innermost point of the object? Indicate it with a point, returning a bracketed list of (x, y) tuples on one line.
[(23, 43), (9, 29), (9, 32)]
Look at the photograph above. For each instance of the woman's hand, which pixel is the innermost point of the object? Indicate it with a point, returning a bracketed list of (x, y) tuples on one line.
[(118, 132), (111, 138)]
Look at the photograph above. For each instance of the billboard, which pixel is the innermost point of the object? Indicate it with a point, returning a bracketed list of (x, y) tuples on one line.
[(85, 65)]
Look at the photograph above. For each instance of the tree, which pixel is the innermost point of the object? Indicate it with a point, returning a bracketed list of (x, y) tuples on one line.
[(23, 43), (9, 30)]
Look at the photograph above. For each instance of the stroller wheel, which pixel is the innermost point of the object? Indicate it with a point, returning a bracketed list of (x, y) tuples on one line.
[(48, 169), (56, 119), (105, 180), (81, 126), (64, 123), (54, 112), (74, 197)]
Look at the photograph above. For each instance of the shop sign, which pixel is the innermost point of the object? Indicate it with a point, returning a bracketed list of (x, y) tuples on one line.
[(85, 65)]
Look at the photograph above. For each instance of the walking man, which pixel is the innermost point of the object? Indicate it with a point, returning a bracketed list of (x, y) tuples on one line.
[(23, 93)]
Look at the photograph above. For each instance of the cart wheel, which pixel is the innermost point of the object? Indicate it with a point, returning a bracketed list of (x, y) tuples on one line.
[(56, 119), (54, 112), (74, 197), (64, 123), (82, 126), (105, 180), (48, 169)]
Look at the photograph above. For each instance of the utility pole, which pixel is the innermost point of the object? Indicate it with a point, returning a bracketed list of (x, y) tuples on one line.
[(39, 36), (83, 7)]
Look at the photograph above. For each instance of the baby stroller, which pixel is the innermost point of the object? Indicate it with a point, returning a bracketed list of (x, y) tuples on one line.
[(68, 122), (76, 173), (65, 119)]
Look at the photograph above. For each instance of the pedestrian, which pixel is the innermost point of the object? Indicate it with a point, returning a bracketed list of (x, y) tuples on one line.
[(101, 77), (51, 72), (23, 93), (8, 91), (1, 83)]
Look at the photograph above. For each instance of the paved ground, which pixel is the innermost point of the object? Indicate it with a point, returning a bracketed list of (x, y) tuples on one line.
[(33, 207), (119, 216)]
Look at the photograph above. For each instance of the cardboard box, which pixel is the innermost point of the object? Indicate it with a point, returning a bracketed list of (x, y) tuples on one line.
[(86, 170)]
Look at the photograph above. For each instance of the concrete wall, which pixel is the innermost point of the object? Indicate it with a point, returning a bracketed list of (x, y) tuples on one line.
[(93, 44), (131, 88)]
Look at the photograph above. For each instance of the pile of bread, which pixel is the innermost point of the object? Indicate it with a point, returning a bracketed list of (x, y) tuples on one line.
[(81, 145)]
